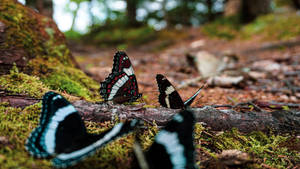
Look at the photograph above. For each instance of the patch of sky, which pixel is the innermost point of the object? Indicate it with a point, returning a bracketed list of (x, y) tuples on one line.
[(171, 4)]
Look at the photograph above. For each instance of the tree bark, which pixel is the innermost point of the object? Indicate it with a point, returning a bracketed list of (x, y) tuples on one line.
[(253, 8), (232, 7), (74, 16), (296, 4), (277, 121), (247, 9), (45, 7), (210, 15), (131, 12)]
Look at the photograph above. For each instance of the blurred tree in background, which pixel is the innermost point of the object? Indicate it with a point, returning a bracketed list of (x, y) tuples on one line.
[(45, 7), (138, 20), (248, 10)]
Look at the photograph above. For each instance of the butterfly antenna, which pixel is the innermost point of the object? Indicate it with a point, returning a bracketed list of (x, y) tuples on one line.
[(189, 101), (140, 156), (137, 147)]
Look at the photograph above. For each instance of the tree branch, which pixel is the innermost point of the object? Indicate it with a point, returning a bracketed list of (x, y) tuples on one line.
[(280, 121)]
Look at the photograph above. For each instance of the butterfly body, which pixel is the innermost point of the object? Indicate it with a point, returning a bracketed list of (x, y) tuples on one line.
[(173, 145), (121, 85), (62, 134), (169, 97)]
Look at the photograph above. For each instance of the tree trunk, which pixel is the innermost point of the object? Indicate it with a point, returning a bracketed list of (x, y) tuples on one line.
[(209, 5), (131, 12), (45, 7), (166, 17), (296, 4), (247, 9), (232, 7), (253, 8), (74, 16)]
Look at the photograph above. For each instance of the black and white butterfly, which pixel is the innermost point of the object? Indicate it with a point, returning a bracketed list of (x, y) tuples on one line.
[(61, 133), (169, 97), (173, 146), (121, 85)]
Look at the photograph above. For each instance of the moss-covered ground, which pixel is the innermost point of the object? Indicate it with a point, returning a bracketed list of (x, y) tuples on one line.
[(275, 26), (47, 57), (277, 151)]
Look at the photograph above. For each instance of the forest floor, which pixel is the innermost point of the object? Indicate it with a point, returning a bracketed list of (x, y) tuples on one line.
[(271, 72)]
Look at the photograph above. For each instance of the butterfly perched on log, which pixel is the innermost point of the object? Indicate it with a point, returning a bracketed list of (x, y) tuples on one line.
[(169, 97), (173, 146), (121, 85), (62, 135)]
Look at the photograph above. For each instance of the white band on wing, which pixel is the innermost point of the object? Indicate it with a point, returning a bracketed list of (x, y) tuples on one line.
[(129, 71), (117, 86)]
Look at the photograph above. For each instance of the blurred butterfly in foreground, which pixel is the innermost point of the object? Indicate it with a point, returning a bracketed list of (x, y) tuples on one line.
[(61, 133), (169, 97), (173, 146), (121, 84)]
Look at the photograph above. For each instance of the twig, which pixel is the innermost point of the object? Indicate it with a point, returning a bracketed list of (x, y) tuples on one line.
[(249, 103), (188, 82)]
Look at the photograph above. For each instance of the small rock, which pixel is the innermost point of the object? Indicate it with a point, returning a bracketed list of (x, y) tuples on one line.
[(224, 81), (257, 75), (284, 97), (197, 44), (267, 65), (233, 157), (293, 98), (207, 64)]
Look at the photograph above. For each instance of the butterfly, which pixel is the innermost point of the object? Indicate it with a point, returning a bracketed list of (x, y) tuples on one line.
[(173, 146), (169, 97), (61, 133), (121, 85)]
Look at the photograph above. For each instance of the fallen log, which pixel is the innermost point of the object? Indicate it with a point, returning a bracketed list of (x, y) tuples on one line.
[(18, 100), (280, 121)]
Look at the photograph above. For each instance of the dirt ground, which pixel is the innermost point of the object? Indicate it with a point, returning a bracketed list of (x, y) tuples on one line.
[(276, 83)]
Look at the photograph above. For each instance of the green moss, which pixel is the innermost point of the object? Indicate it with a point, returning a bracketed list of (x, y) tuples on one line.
[(34, 33), (16, 124), (266, 148), (274, 26), (47, 56), (269, 27), (223, 28), (20, 83), (65, 78), (129, 36)]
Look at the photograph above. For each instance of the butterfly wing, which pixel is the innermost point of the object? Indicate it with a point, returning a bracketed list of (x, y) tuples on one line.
[(121, 62), (173, 146), (62, 133), (128, 92), (56, 113), (121, 85), (90, 144), (110, 86), (168, 96), (120, 88), (33, 143)]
